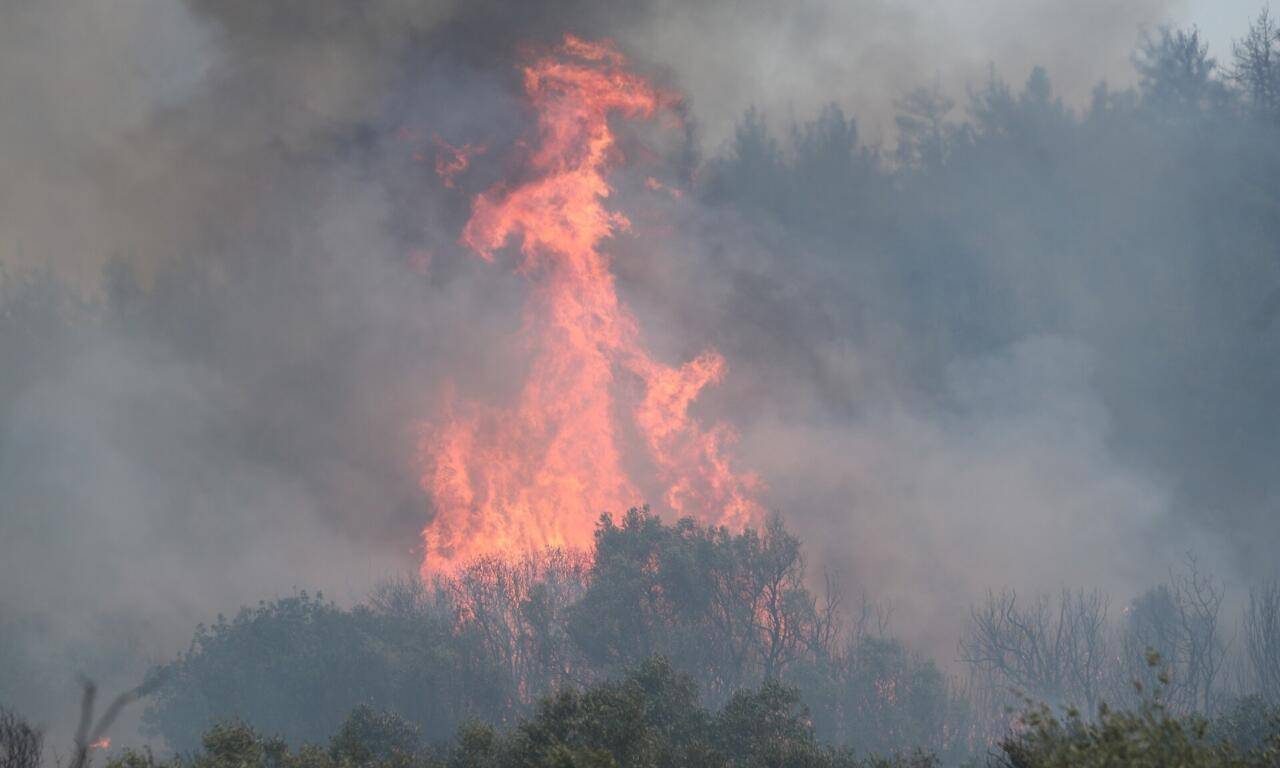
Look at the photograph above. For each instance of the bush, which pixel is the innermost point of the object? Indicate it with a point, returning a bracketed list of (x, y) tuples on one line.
[(1147, 737)]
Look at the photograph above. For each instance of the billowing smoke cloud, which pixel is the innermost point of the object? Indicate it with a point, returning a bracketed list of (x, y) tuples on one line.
[(231, 414)]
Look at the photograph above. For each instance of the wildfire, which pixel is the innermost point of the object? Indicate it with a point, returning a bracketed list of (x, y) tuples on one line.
[(538, 474), (103, 743)]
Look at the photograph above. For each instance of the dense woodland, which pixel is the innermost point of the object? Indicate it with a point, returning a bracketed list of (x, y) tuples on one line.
[(1147, 223), (678, 645), (731, 613)]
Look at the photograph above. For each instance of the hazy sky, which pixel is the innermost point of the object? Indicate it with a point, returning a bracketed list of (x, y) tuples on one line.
[(1221, 21)]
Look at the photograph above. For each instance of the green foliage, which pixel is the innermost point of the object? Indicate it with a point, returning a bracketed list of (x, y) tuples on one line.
[(140, 758), (370, 736), (727, 612), (1247, 723), (652, 717), (878, 697), (281, 665), (297, 666), (768, 726), (231, 745), (730, 608), (1147, 736), (367, 738), (649, 718)]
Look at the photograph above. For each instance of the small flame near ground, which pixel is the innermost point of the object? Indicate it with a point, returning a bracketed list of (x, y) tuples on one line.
[(103, 743), (537, 474)]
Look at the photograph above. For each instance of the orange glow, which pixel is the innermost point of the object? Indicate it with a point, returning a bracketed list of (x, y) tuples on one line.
[(103, 743), (511, 481), (451, 160), (420, 261), (658, 186)]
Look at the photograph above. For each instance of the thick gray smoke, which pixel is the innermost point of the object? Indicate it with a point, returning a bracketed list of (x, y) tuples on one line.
[(231, 412)]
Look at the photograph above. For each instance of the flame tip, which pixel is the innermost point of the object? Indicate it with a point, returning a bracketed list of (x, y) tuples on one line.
[(519, 480)]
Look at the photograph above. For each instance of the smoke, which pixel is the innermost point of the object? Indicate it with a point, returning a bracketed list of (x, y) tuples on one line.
[(232, 414), (921, 476), (1019, 479), (790, 60)]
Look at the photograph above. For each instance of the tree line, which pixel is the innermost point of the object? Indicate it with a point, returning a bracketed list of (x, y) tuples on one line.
[(731, 611)]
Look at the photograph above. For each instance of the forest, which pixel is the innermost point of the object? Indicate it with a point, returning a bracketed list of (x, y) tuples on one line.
[(713, 620), (1136, 238), (683, 645)]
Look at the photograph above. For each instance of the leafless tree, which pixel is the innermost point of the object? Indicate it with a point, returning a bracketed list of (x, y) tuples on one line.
[(1262, 640), (1178, 622), (20, 742), (1083, 618), (1054, 650), (872, 612), (513, 612), (784, 610), (405, 596), (90, 731), (1199, 604), (827, 627)]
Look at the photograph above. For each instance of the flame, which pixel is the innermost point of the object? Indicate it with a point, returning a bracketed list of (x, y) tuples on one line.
[(517, 480), (103, 743)]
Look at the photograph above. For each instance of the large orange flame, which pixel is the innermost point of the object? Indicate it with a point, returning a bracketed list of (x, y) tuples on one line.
[(537, 475)]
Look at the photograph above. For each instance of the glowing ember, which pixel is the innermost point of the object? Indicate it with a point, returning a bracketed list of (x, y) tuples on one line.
[(451, 160), (538, 474), (658, 186)]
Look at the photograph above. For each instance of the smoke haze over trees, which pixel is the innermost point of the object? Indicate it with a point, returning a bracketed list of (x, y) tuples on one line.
[(1001, 333)]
